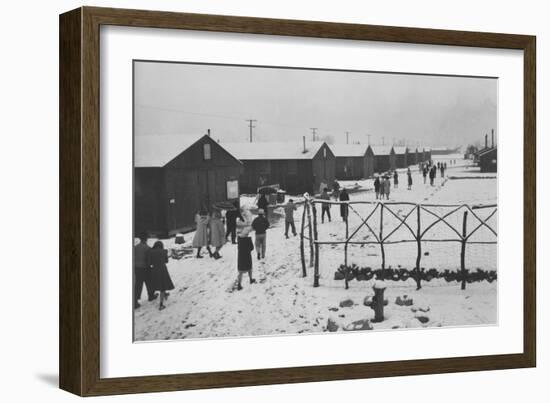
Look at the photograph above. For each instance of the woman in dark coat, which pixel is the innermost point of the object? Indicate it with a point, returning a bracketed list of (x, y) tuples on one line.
[(160, 278), (409, 179), (244, 256), (395, 179), (344, 196)]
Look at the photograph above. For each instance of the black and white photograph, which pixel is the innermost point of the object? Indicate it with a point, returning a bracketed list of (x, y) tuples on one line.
[(273, 200)]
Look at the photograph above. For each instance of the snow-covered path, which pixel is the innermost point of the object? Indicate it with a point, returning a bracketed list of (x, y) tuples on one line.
[(205, 304)]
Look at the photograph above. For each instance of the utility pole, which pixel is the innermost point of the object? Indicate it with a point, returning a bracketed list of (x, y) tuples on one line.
[(313, 132), (251, 126), (383, 138), (347, 137)]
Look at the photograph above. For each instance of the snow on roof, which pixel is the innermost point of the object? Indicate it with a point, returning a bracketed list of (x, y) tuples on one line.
[(400, 149), (486, 150), (349, 150), (273, 150), (381, 150), (159, 150)]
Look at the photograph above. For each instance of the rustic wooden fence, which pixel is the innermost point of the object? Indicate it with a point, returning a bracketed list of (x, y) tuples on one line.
[(418, 234)]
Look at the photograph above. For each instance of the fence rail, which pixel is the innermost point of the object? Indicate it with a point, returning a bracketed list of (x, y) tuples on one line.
[(418, 233)]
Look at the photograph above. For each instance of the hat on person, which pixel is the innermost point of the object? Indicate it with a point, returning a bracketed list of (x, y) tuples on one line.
[(261, 211)]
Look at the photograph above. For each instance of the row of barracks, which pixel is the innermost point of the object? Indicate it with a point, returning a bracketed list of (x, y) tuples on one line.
[(176, 176)]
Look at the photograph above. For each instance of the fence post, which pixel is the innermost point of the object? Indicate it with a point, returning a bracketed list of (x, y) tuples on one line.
[(346, 255), (382, 238), (302, 252), (419, 248), (463, 251), (316, 267), (310, 228)]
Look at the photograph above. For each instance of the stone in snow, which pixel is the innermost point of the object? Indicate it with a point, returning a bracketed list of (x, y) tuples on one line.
[(422, 318), (362, 324), (332, 326), (346, 303), (404, 300)]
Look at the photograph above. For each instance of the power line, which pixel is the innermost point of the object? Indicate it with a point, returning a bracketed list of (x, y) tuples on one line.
[(251, 126), (313, 132)]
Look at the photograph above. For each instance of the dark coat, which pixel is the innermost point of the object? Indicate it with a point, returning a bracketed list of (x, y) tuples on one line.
[(231, 217), (410, 179), (244, 258), (377, 185), (395, 178), (344, 196), (260, 224), (160, 278), (263, 203)]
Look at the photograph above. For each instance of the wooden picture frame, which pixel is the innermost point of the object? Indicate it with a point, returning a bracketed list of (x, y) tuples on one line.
[(79, 346)]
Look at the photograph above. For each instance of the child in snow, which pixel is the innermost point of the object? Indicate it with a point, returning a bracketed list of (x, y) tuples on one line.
[(325, 207), (244, 256), (290, 208), (161, 281), (260, 225)]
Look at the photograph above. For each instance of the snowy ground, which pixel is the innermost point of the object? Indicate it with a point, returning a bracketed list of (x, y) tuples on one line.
[(205, 304)]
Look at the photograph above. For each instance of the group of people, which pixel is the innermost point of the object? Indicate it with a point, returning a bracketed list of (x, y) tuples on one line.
[(150, 270), (382, 186), (211, 233), (429, 170), (338, 194)]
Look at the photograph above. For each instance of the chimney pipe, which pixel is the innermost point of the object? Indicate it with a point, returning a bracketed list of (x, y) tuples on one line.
[(304, 141), (208, 132), (492, 138), (485, 141)]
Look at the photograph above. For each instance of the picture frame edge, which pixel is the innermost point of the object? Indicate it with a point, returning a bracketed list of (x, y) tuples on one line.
[(79, 354)]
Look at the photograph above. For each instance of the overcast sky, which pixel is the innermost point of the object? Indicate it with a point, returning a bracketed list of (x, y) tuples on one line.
[(188, 99)]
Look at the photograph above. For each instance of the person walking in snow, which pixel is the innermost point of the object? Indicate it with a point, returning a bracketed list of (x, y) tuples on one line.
[(377, 186), (158, 257), (409, 179), (142, 271), (231, 217), (217, 233), (325, 207), (387, 187), (433, 171), (290, 208), (395, 179), (200, 239), (344, 208), (260, 226), (425, 173), (244, 257)]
